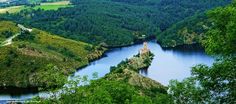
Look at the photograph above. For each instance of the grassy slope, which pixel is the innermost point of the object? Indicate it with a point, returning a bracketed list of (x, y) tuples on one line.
[(7, 26), (29, 61)]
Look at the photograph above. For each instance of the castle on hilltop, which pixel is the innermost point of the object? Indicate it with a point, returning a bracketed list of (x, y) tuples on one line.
[(145, 49)]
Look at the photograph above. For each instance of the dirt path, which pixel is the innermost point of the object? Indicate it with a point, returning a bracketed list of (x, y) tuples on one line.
[(9, 40)]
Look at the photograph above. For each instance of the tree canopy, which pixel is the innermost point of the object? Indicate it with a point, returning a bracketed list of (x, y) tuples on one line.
[(221, 38), (215, 84), (114, 22)]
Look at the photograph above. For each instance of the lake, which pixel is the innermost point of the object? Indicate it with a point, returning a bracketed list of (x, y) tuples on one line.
[(167, 64)]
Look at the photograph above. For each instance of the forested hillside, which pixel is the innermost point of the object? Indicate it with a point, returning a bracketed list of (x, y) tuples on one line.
[(38, 58), (114, 22), (216, 83), (188, 31)]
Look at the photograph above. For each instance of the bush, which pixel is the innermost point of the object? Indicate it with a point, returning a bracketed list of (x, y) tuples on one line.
[(25, 35)]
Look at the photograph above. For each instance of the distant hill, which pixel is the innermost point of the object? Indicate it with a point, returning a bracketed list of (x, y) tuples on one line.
[(38, 58), (114, 22)]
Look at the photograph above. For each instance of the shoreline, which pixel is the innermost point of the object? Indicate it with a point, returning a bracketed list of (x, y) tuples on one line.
[(109, 49)]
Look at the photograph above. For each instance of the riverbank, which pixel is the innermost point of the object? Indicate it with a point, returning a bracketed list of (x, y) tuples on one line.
[(186, 46), (96, 54), (116, 85), (160, 69)]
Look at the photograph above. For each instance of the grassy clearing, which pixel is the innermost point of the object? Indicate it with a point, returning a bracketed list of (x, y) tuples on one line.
[(44, 6), (53, 5), (57, 3)]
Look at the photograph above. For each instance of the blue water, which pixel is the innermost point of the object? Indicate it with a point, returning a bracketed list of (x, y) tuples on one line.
[(166, 65)]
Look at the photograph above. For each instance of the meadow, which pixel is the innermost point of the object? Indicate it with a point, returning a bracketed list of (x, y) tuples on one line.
[(12, 9), (43, 6), (53, 5)]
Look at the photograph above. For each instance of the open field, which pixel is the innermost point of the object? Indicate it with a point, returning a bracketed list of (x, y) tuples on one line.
[(53, 5), (12, 9), (57, 3), (44, 6)]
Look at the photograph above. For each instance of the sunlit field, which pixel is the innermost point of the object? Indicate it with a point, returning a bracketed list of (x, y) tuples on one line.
[(44, 6)]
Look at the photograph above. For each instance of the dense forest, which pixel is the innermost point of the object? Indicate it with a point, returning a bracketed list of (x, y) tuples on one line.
[(188, 31), (113, 22)]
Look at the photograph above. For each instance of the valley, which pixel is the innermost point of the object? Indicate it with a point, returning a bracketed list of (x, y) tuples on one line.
[(181, 60), (117, 51)]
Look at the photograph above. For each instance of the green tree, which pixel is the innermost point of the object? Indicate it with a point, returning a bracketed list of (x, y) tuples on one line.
[(215, 84), (99, 92), (221, 38)]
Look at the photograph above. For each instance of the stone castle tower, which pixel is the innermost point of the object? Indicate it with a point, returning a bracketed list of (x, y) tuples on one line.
[(144, 49)]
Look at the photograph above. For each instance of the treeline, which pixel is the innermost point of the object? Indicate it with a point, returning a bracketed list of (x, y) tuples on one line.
[(113, 22)]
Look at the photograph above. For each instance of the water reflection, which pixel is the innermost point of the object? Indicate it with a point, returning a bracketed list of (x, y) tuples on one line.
[(144, 72), (175, 63)]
